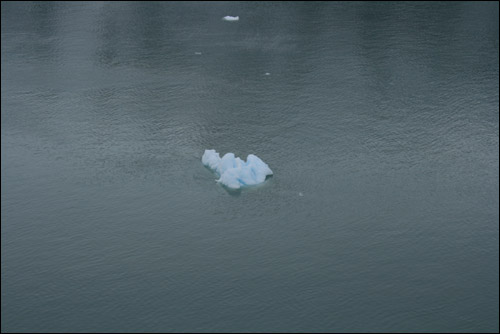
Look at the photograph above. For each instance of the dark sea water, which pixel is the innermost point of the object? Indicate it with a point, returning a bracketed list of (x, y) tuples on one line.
[(384, 116)]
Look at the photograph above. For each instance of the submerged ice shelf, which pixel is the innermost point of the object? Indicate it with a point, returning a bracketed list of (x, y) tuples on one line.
[(236, 173)]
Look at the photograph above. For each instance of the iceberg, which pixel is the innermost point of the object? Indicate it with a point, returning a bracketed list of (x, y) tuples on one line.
[(235, 173), (231, 18)]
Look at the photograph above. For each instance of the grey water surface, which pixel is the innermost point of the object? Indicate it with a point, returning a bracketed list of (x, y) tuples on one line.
[(379, 120)]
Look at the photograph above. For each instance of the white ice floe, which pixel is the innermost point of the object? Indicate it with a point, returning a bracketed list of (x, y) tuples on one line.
[(234, 172), (231, 18)]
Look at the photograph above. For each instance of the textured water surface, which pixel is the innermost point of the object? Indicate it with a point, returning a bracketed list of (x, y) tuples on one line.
[(379, 121)]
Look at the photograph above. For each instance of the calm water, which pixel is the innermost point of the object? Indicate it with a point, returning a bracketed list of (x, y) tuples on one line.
[(385, 116)]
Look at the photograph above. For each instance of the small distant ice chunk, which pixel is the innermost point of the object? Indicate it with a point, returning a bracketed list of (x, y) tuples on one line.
[(234, 172), (197, 53), (301, 194), (231, 18), (267, 73)]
